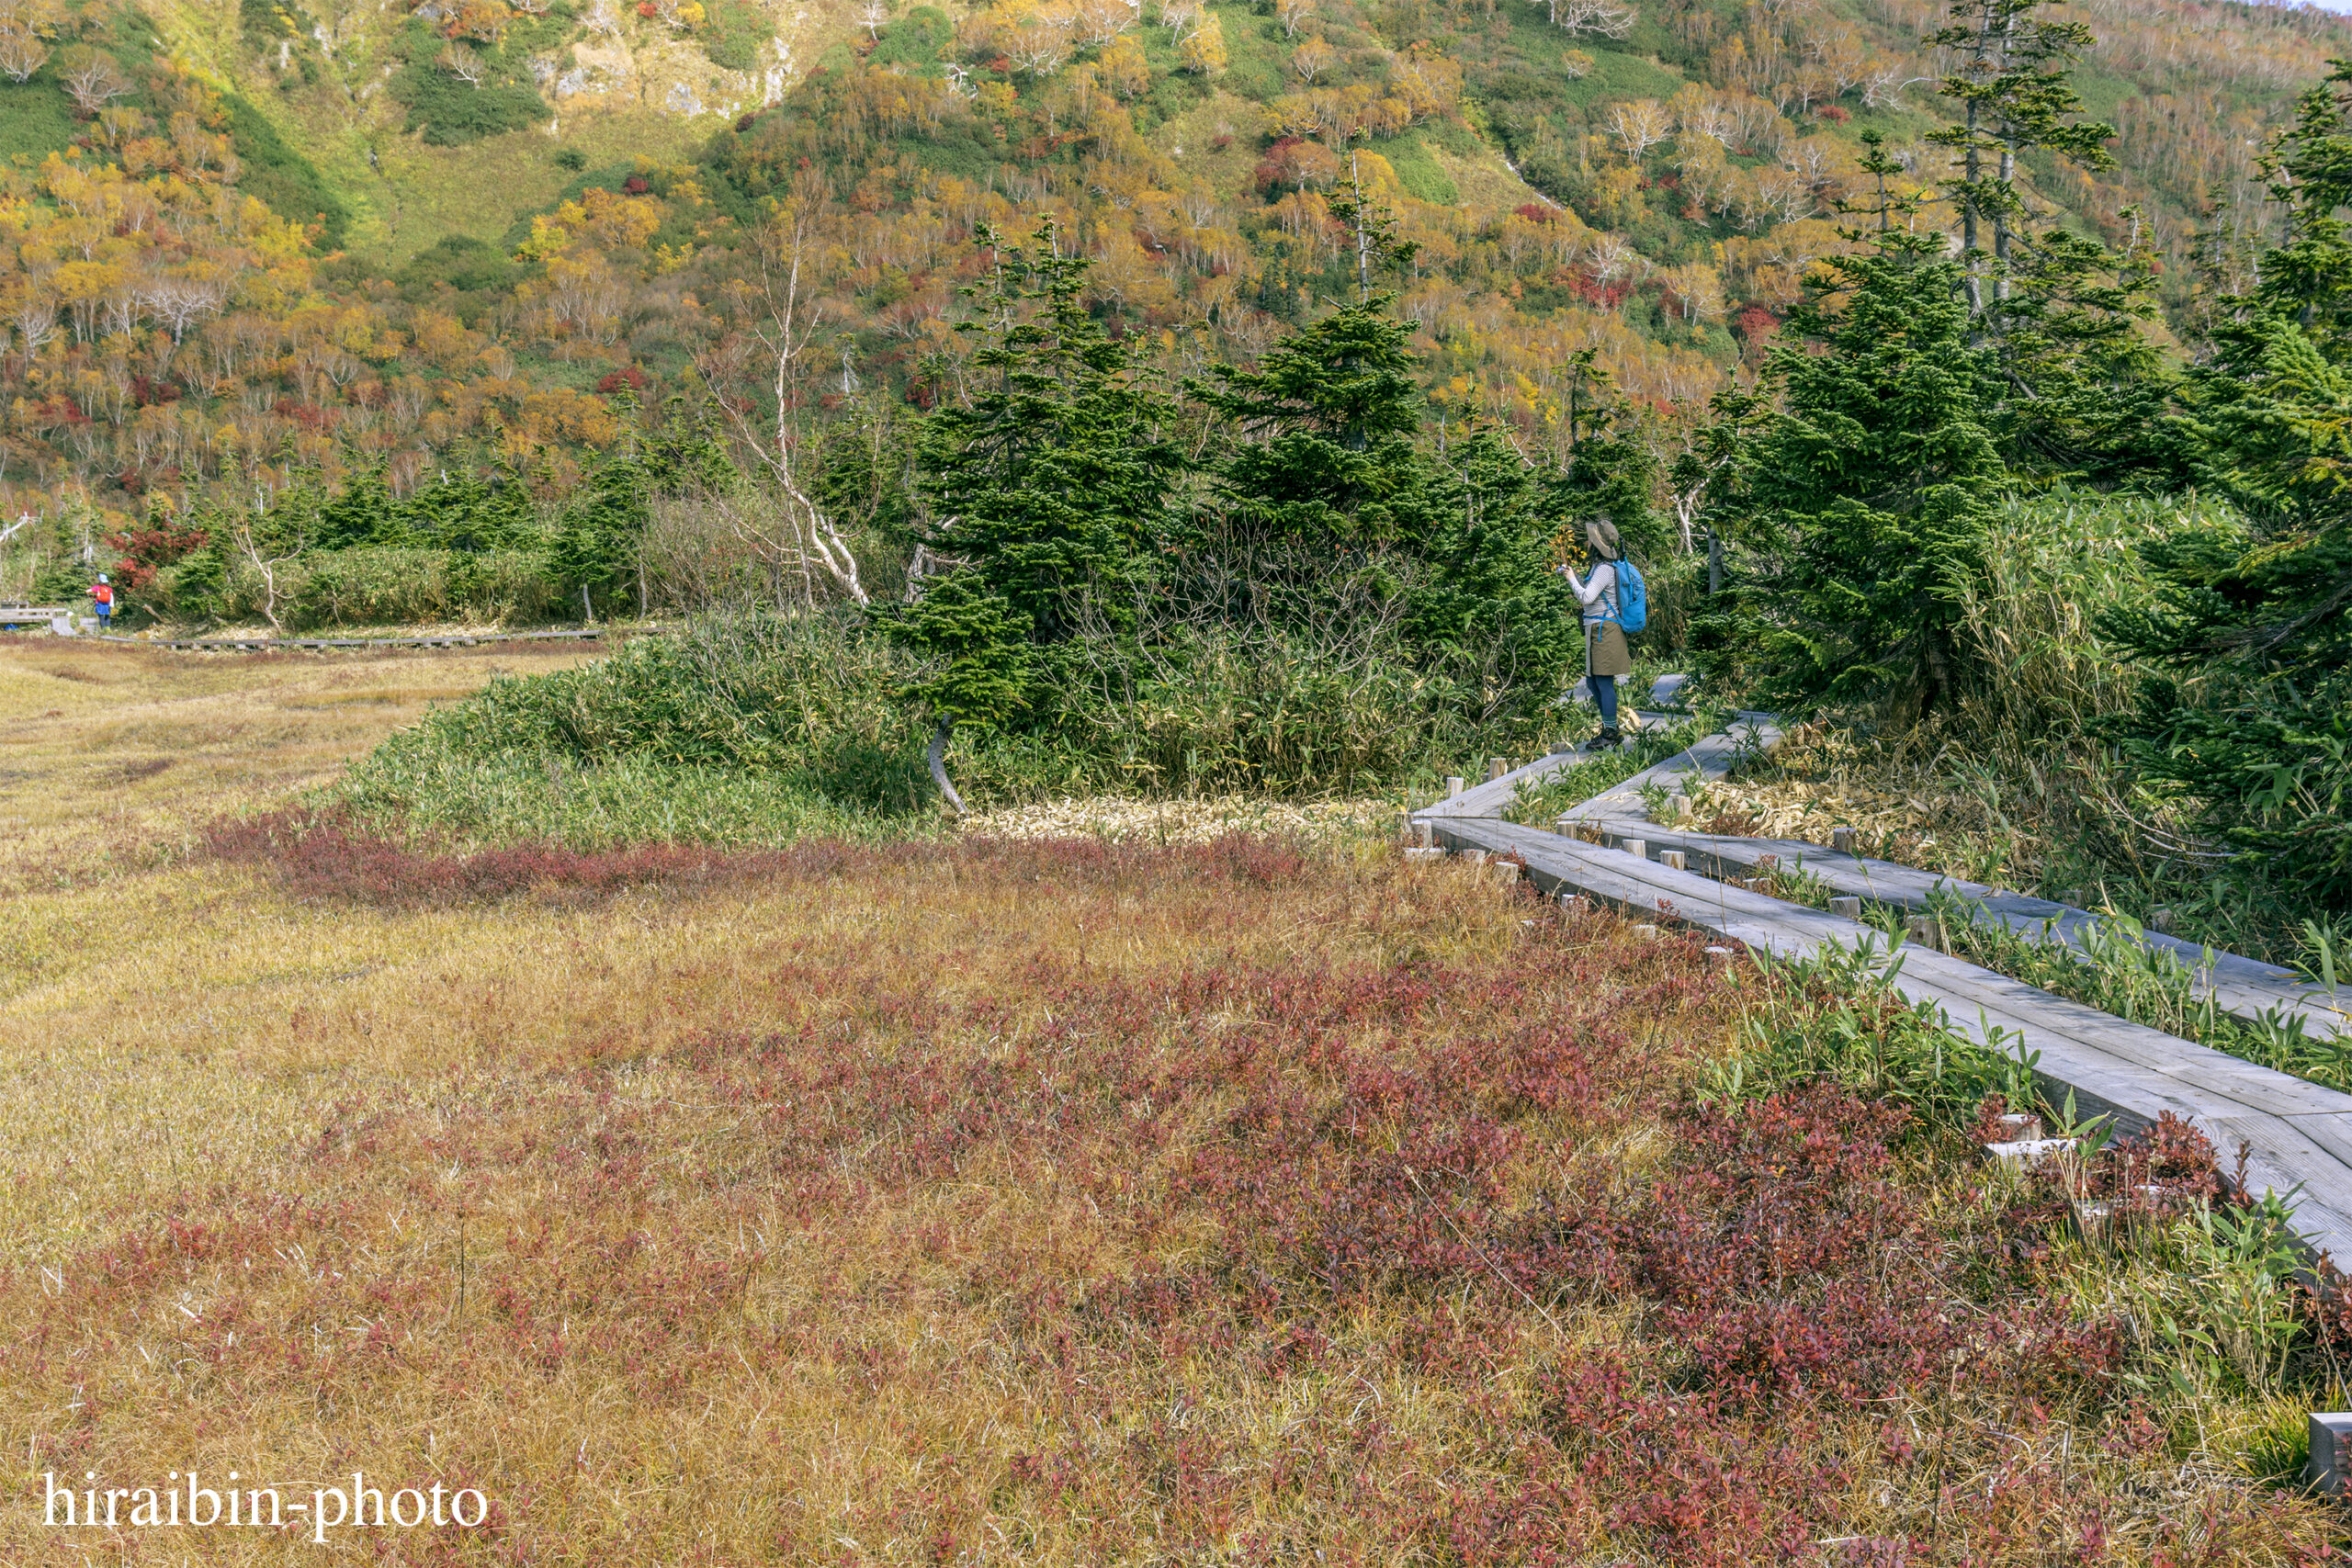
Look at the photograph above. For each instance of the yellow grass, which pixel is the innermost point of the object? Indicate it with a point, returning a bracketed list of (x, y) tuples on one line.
[(512, 1196), (180, 1033)]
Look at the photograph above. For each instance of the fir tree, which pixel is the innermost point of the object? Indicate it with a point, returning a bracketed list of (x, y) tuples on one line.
[(1610, 469), (1857, 501), (1051, 484), (2252, 718), (1488, 599), (2083, 389), (1329, 419), (2014, 92), (975, 648), (597, 543), (1052, 481)]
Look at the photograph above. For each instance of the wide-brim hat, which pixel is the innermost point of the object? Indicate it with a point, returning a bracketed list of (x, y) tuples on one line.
[(1601, 535)]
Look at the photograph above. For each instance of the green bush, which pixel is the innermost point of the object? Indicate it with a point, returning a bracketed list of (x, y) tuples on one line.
[(754, 692), (450, 113), (734, 34), (752, 729), (443, 792), (282, 178), (1224, 708), (371, 584), (462, 262)]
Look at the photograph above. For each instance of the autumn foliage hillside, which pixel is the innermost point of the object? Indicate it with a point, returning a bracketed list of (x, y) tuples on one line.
[(1644, 185)]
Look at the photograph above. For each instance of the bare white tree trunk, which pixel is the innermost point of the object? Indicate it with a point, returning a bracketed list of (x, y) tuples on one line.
[(267, 567), (939, 766), (791, 322)]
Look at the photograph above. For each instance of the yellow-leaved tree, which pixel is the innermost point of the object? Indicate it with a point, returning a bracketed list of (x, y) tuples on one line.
[(1202, 50)]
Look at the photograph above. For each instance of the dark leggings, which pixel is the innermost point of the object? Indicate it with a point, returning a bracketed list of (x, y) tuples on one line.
[(1604, 692)]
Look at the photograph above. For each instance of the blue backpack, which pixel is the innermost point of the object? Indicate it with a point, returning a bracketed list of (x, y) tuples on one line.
[(1633, 598)]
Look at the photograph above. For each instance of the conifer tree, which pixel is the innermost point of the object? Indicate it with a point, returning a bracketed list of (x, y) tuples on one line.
[(1857, 501), (1329, 419), (2015, 94), (2252, 719), (1051, 489), (975, 652), (1610, 470), (1331, 490), (1052, 481), (1489, 600), (2082, 388), (596, 545)]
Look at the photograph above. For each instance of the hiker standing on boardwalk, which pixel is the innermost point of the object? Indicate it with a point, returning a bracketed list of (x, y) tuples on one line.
[(102, 595), (1606, 655)]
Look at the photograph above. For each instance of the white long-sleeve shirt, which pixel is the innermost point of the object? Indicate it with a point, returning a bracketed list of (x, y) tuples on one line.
[(1598, 594)]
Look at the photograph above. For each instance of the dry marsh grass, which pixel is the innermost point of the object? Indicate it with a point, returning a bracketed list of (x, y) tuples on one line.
[(981, 1203)]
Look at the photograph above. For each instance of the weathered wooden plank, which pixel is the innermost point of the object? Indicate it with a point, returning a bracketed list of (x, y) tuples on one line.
[(2111, 1065), (2281, 1156), (1489, 798), (1711, 758), (2246, 987)]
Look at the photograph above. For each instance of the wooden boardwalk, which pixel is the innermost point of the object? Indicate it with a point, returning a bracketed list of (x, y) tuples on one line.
[(2297, 1135), (274, 644), (2244, 988)]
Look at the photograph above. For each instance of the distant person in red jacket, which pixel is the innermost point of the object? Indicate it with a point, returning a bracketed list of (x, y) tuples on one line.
[(102, 592)]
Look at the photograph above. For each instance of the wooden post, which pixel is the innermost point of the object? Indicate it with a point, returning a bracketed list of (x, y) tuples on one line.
[(1842, 840), (1453, 786), (1637, 848), (1496, 767), (1925, 931), (1847, 909), (1672, 859), (2330, 1435)]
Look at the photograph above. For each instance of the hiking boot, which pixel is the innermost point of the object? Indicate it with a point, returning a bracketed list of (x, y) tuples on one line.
[(1607, 739)]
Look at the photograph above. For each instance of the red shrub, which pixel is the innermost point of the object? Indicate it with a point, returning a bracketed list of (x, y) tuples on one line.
[(146, 549), (1754, 322)]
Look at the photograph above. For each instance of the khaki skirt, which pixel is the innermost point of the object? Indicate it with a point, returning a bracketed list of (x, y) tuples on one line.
[(1605, 652)]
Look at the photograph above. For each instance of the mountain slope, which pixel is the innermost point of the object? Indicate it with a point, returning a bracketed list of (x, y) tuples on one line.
[(545, 213)]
